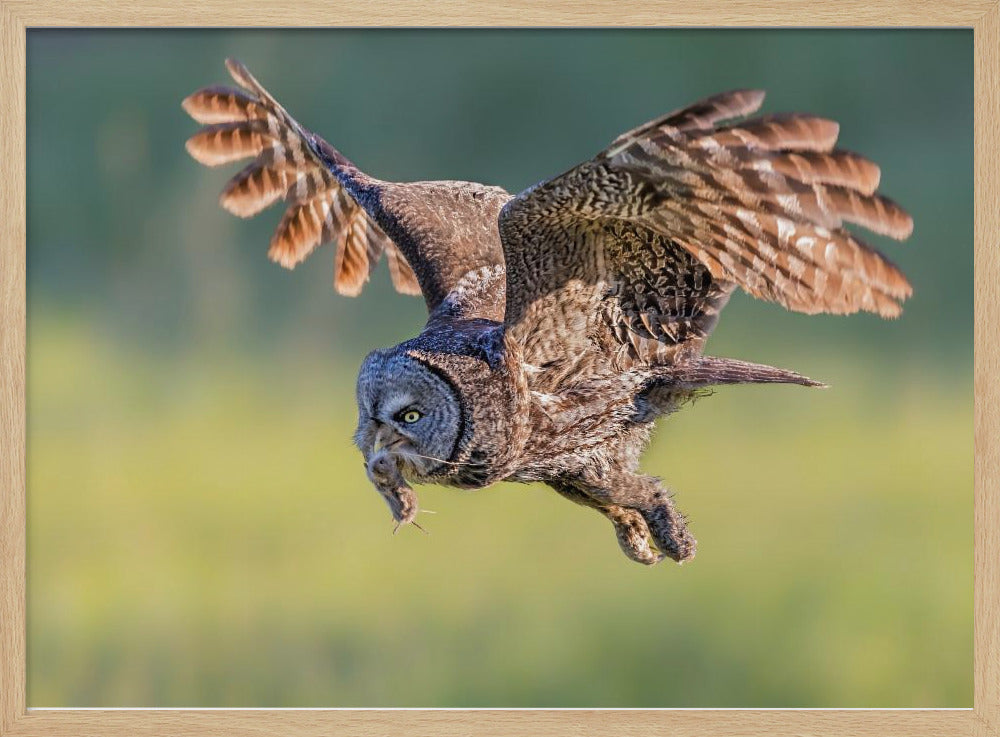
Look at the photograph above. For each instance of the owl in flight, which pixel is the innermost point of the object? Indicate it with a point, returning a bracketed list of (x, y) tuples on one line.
[(563, 321)]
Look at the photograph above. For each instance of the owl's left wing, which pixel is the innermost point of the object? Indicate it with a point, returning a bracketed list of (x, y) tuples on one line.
[(288, 163), (633, 253)]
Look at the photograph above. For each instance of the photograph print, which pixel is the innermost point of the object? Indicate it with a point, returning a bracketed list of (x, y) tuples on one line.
[(742, 329)]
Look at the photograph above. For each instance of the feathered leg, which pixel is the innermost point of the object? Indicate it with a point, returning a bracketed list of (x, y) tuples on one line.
[(646, 495), (631, 529)]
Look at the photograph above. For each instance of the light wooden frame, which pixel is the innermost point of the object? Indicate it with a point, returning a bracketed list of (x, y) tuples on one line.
[(983, 720)]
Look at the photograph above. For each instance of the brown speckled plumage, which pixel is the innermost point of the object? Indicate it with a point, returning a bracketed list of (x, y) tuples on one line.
[(566, 319)]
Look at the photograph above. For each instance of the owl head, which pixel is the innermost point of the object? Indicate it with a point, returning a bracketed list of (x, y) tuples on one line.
[(410, 411), (438, 412)]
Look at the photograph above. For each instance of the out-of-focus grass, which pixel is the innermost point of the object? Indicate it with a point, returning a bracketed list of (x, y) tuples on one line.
[(201, 532)]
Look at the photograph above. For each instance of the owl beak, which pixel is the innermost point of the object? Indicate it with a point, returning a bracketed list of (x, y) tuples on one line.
[(385, 438)]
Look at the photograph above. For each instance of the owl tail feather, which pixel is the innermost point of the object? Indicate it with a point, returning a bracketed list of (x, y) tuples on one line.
[(706, 371)]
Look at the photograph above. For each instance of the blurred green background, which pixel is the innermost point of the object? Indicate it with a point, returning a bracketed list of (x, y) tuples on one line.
[(201, 532)]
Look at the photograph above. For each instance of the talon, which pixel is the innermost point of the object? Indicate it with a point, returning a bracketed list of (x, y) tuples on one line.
[(633, 535), (669, 531)]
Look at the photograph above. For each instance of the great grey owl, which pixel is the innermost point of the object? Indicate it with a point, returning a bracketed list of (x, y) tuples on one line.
[(564, 320)]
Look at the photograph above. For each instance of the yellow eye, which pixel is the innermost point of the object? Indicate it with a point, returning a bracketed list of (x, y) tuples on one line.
[(411, 416)]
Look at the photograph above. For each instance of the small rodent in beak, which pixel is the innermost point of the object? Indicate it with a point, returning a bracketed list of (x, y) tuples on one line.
[(384, 473)]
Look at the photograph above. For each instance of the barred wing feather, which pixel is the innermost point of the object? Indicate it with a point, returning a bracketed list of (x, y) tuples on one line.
[(246, 122), (655, 232)]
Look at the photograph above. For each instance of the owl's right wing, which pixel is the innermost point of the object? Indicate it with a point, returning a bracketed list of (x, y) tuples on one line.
[(633, 253), (290, 163)]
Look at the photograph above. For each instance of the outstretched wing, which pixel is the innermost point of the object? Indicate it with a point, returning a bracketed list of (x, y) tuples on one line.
[(295, 165), (633, 253)]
